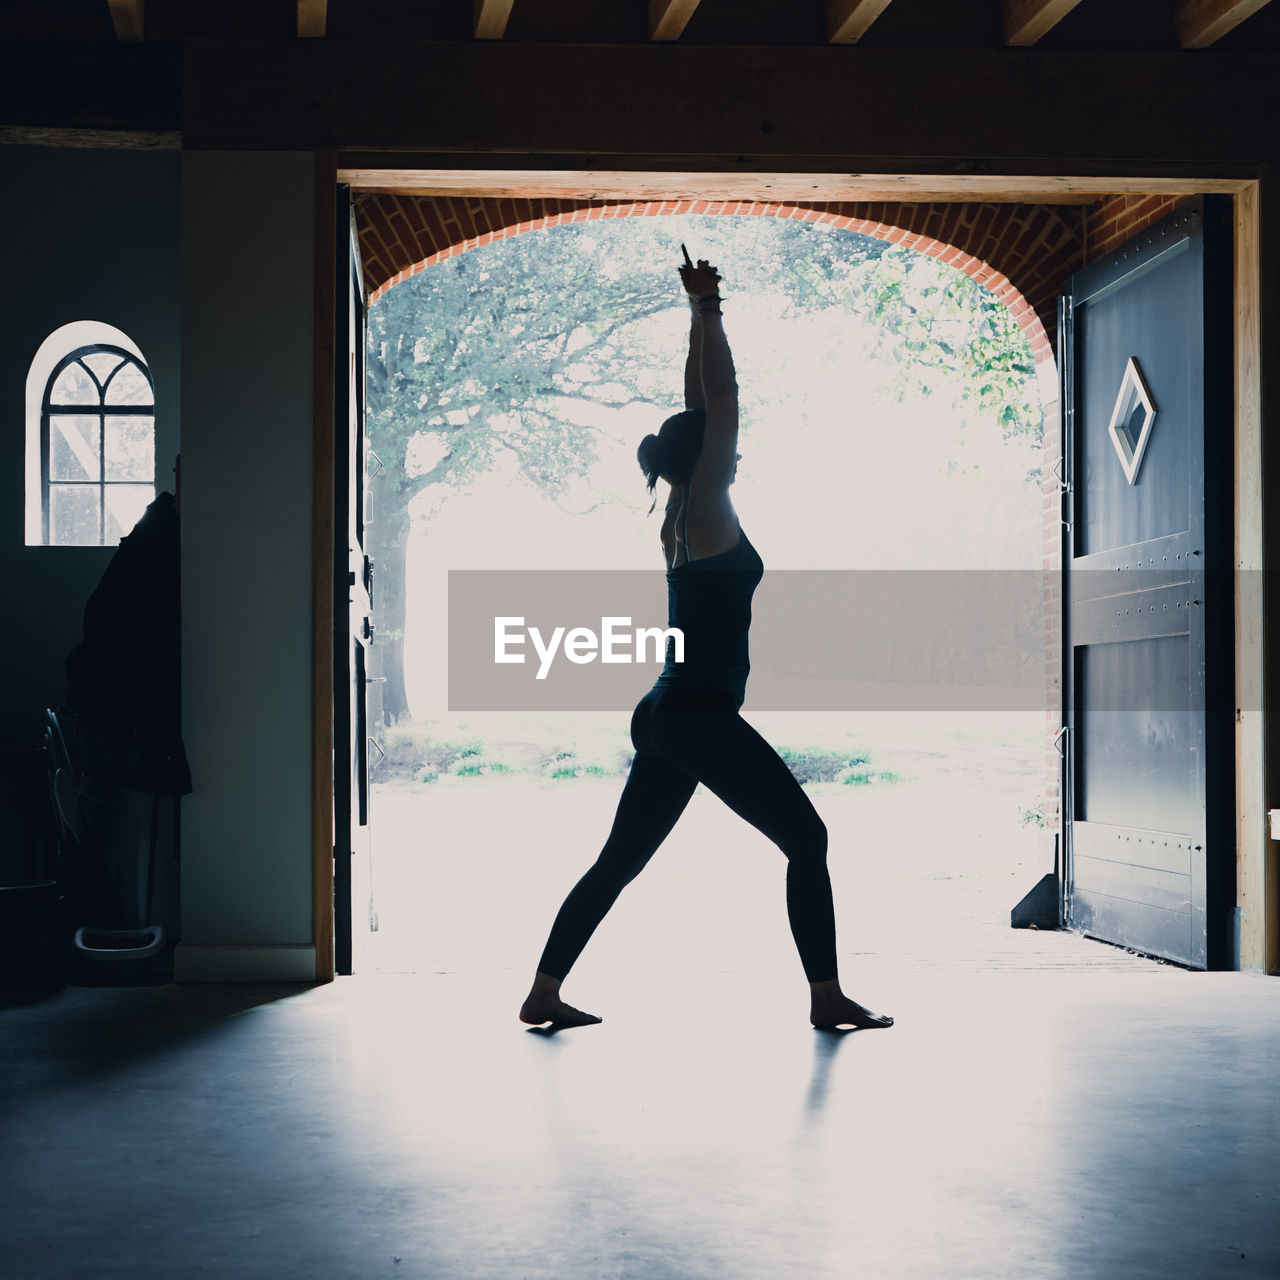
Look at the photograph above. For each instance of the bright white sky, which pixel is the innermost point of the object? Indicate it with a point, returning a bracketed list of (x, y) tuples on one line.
[(834, 474)]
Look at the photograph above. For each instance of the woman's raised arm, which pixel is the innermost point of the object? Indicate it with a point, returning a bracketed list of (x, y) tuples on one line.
[(693, 397), (719, 383)]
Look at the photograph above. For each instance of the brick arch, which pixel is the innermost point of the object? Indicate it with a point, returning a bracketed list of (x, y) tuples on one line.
[(1021, 252), (1037, 246)]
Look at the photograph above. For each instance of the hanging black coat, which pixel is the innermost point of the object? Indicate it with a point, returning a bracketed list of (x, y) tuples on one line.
[(124, 679)]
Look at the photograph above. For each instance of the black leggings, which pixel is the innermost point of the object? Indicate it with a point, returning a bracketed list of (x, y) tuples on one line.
[(682, 739)]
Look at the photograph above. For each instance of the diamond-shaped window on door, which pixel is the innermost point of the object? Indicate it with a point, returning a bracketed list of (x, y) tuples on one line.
[(1131, 420)]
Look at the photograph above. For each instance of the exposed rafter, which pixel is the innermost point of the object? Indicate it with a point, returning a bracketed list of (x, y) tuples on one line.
[(1201, 22), (491, 18), (848, 20), (668, 18), (128, 18), (1025, 21), (312, 16)]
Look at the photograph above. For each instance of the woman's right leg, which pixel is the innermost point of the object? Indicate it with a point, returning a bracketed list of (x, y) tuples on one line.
[(652, 801), (655, 795)]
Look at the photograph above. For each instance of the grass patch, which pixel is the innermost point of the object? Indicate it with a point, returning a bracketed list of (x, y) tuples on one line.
[(822, 764), (581, 771), (479, 769), (865, 775), (566, 749)]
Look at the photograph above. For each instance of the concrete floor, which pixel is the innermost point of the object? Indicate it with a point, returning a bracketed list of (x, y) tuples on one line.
[(1046, 1106), (1092, 1120)]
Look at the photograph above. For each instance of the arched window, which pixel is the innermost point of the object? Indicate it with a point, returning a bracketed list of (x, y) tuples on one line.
[(96, 439)]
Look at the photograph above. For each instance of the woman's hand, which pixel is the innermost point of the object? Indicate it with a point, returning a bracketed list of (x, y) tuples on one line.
[(700, 278)]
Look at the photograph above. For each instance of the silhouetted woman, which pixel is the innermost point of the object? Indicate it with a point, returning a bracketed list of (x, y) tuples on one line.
[(687, 729)]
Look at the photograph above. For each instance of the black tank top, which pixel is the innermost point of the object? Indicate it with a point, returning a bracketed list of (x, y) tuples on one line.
[(710, 601)]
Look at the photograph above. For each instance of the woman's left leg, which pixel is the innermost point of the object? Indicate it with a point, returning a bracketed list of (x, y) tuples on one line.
[(730, 757), (720, 749)]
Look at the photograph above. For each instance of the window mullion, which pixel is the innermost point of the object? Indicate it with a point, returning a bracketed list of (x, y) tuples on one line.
[(46, 500), (102, 475)]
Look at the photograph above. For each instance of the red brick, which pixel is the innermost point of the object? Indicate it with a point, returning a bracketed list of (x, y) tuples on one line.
[(412, 213), (983, 225), (462, 216)]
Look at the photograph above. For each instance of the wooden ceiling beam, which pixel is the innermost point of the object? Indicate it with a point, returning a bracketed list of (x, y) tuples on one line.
[(312, 17), (129, 18), (780, 187), (491, 17), (1025, 21), (848, 20), (668, 18), (1201, 22)]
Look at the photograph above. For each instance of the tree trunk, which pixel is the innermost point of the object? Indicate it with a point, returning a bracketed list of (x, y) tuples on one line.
[(387, 537)]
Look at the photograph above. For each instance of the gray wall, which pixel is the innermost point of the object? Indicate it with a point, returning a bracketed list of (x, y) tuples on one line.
[(247, 326), (87, 235)]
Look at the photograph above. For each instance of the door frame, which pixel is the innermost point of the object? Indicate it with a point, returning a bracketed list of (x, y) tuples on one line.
[(323, 606), (1256, 375)]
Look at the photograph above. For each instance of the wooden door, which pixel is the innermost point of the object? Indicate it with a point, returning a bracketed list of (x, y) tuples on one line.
[(352, 628)]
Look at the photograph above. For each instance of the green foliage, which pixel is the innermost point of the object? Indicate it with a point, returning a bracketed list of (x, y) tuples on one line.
[(474, 769), (819, 764), (481, 352), (1031, 816), (418, 751), (862, 775), (943, 323), (580, 771)]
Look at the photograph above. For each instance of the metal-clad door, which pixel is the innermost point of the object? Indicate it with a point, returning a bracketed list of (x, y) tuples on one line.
[(1147, 591)]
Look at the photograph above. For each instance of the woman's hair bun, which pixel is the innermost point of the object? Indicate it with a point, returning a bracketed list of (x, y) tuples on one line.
[(674, 451), (650, 457)]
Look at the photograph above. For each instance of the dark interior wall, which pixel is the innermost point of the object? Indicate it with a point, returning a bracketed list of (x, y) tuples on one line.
[(248, 246), (88, 235)]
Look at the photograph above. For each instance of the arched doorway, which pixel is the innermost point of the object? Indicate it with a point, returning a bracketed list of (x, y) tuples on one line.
[(997, 282)]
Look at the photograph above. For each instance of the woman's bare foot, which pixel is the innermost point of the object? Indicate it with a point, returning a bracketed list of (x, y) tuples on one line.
[(543, 1004), (830, 1007)]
